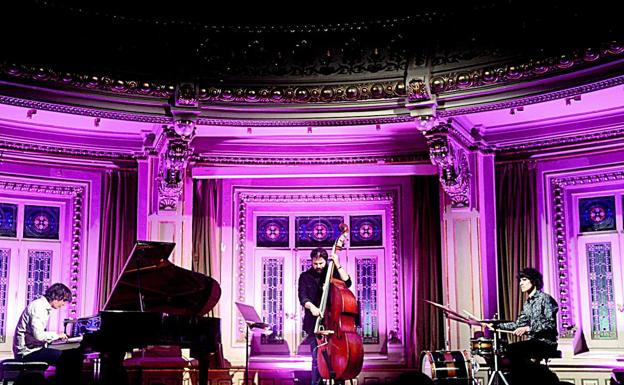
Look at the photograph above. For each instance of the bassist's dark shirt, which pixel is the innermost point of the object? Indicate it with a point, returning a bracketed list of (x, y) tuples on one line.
[(311, 290)]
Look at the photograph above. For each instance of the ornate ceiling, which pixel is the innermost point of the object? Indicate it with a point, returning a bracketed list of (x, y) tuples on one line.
[(106, 80)]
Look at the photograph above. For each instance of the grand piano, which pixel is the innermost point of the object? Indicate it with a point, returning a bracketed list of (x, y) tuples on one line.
[(153, 302)]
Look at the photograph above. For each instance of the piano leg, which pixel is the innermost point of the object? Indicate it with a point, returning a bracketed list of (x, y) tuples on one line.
[(111, 368), (203, 370)]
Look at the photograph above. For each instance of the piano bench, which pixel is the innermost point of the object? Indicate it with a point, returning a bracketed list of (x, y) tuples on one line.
[(12, 369)]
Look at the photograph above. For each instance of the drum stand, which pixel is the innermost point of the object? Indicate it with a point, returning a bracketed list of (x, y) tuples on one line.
[(497, 371)]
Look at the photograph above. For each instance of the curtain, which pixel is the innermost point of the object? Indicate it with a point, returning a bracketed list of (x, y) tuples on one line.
[(423, 272), (206, 230), (118, 227), (516, 233)]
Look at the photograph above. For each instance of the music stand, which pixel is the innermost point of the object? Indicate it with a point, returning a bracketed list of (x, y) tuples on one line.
[(255, 324)]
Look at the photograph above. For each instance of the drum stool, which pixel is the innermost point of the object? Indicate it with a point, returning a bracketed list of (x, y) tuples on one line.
[(546, 356)]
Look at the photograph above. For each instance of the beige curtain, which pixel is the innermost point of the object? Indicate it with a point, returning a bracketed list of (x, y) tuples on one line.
[(118, 227), (206, 228), (516, 219), (423, 272)]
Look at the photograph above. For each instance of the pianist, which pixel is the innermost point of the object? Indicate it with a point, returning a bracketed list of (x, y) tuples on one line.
[(31, 339)]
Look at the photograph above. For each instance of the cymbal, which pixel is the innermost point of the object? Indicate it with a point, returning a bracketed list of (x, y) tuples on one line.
[(494, 321)]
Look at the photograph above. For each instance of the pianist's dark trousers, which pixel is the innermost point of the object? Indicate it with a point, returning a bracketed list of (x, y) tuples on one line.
[(68, 363)]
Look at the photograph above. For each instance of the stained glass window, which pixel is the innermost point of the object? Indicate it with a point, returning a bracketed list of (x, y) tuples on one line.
[(273, 299), (597, 214), (8, 220), (317, 231), (366, 230), (41, 222), (601, 291), (5, 260), (38, 279), (272, 232), (367, 298)]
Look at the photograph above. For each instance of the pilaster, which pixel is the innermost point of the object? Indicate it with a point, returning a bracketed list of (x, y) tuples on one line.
[(170, 185)]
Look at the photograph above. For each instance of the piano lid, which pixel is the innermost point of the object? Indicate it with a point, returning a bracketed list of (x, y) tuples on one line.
[(166, 287)]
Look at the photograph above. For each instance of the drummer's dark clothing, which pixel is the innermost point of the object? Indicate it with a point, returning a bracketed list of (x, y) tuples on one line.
[(539, 312), (311, 290)]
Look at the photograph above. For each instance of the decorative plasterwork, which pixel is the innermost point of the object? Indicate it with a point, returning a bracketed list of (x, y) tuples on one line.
[(59, 150), (502, 73), (541, 98), (274, 161), (417, 89), (612, 133), (186, 95), (72, 110), (305, 93), (100, 83), (302, 123), (76, 194), (558, 188), (452, 164), (522, 71), (173, 161), (243, 199)]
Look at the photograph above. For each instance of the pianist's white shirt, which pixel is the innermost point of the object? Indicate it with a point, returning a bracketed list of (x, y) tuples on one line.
[(30, 333)]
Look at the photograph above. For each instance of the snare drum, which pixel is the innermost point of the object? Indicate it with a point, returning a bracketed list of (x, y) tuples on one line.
[(482, 346), (447, 366)]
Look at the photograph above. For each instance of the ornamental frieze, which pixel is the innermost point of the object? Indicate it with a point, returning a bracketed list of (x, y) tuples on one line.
[(305, 94), (90, 82), (523, 70), (324, 91)]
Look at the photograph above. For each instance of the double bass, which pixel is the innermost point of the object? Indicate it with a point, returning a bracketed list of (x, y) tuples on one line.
[(340, 353)]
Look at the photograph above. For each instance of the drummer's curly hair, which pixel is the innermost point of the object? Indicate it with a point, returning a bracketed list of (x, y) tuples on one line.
[(532, 275)]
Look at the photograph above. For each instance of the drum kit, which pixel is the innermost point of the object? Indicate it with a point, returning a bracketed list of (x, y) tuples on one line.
[(459, 367)]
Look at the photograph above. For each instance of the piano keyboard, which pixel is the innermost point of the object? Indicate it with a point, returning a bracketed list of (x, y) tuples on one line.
[(70, 343)]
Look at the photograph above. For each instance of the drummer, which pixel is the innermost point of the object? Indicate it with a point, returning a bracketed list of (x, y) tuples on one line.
[(537, 321)]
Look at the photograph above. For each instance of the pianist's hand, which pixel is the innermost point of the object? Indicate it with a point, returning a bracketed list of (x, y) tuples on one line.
[(62, 337)]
